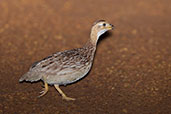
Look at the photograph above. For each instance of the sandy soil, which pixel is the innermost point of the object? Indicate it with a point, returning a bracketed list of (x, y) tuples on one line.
[(132, 67)]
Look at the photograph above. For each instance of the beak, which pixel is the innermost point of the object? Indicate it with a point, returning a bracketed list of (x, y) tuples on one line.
[(112, 27)]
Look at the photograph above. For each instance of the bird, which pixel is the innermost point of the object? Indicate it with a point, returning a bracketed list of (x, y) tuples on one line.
[(69, 66)]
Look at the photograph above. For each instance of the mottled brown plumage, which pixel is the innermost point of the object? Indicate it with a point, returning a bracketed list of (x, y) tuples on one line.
[(66, 67)]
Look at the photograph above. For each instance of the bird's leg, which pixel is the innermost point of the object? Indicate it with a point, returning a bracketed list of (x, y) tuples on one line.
[(62, 93), (45, 90)]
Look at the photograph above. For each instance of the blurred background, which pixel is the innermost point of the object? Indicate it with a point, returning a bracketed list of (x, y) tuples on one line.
[(131, 73)]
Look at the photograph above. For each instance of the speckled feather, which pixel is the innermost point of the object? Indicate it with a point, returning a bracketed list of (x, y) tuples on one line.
[(61, 64)]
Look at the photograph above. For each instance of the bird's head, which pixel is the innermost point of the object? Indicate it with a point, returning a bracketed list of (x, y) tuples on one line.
[(99, 28)]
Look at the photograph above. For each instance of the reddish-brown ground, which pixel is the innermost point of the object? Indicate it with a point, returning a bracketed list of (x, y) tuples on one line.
[(132, 67)]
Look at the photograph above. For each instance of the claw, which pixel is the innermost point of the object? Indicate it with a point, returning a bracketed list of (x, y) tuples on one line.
[(41, 92), (45, 90)]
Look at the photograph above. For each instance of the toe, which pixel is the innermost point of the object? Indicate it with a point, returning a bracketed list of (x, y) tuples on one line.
[(69, 98)]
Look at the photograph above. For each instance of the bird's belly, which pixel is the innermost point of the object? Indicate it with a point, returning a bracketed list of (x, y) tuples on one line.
[(68, 78)]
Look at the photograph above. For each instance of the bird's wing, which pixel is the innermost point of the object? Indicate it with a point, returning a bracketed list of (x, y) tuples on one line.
[(59, 63)]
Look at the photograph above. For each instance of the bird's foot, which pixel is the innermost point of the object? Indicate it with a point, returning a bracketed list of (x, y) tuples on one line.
[(45, 90), (63, 94), (68, 98)]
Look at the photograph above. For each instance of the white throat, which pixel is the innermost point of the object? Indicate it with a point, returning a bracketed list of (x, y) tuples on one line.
[(100, 33), (95, 36)]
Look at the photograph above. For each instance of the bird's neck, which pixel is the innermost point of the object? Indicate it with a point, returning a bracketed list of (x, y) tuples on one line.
[(89, 50), (91, 45), (94, 38)]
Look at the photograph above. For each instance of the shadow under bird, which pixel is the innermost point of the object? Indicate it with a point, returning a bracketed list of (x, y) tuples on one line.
[(69, 66)]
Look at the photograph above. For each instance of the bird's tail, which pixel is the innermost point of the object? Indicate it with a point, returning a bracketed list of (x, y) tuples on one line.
[(30, 76)]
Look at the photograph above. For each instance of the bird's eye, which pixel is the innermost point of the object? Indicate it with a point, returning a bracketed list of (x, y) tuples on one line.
[(104, 24)]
